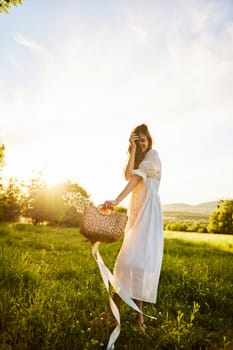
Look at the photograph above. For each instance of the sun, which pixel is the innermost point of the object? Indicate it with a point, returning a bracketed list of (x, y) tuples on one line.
[(24, 164), (57, 162), (54, 174)]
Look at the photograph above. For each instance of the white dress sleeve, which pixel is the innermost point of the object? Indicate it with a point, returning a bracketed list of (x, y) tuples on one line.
[(150, 167), (140, 173)]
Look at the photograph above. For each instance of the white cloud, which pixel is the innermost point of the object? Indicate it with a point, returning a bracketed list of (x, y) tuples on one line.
[(29, 43)]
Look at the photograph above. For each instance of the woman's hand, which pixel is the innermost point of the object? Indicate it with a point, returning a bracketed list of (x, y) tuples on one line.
[(133, 138), (110, 203)]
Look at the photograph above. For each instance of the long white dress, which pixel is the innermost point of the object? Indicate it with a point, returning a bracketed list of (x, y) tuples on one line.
[(138, 265)]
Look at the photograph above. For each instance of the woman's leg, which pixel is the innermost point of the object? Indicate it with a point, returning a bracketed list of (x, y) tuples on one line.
[(139, 316), (116, 299)]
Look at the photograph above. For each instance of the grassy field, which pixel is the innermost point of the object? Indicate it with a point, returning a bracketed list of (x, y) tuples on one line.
[(50, 288)]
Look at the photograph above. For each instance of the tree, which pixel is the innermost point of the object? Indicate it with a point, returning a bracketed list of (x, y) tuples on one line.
[(5, 5), (34, 206), (55, 205), (10, 201), (74, 198), (2, 163), (2, 149), (221, 219)]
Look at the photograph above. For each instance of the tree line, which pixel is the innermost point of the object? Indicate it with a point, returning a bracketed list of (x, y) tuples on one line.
[(62, 204), (220, 221)]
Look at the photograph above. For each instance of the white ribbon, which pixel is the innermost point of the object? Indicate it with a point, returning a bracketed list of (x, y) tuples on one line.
[(108, 277)]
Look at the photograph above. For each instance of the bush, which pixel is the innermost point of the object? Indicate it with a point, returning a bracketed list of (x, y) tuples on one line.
[(221, 220), (191, 226)]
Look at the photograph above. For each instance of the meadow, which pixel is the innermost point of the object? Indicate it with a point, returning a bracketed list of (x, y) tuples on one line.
[(50, 289)]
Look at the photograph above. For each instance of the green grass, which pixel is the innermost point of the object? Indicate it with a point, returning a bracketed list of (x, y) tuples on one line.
[(50, 288), (210, 241)]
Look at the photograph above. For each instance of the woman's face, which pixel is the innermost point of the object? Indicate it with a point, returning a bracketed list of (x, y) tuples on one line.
[(143, 142)]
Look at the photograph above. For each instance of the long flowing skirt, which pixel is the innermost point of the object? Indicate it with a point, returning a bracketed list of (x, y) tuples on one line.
[(138, 265)]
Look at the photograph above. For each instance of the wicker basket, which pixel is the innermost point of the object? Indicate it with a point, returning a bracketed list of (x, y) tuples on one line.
[(101, 225)]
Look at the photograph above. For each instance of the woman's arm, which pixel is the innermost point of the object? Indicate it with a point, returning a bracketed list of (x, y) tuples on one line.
[(128, 188), (130, 165)]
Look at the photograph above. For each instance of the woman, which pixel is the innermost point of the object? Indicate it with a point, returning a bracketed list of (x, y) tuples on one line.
[(138, 265)]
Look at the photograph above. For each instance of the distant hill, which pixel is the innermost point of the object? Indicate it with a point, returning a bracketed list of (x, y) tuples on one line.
[(202, 208)]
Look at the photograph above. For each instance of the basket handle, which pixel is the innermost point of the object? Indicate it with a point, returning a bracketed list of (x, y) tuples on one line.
[(103, 210)]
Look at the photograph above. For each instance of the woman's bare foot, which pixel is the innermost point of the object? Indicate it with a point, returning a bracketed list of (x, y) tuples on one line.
[(140, 323), (142, 327)]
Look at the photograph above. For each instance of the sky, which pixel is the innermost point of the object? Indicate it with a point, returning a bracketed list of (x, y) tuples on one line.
[(76, 77)]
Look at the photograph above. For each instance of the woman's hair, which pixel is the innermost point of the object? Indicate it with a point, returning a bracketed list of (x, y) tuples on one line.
[(141, 129)]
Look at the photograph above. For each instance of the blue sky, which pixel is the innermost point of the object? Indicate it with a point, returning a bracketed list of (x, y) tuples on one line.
[(77, 76)]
